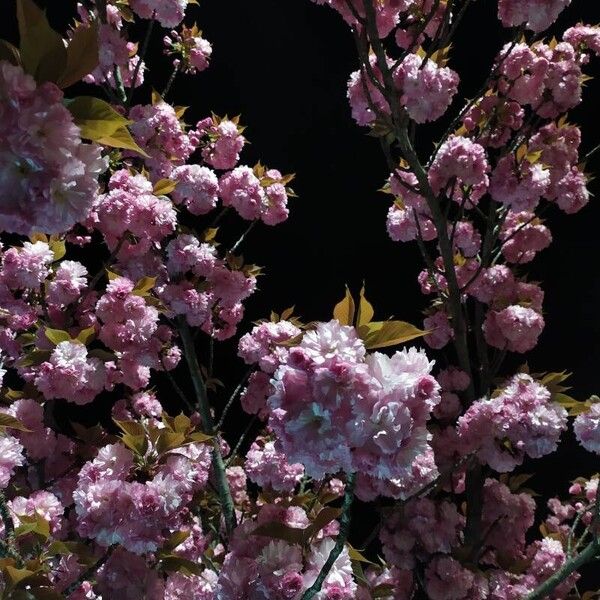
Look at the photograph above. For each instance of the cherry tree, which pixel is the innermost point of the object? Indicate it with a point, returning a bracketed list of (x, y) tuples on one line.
[(121, 270)]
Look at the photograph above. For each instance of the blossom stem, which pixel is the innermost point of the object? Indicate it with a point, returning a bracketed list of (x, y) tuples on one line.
[(170, 82), (141, 56), (315, 588), (233, 453), (222, 484), (233, 396), (89, 572), (122, 95), (8, 548), (119, 85), (243, 237), (589, 553)]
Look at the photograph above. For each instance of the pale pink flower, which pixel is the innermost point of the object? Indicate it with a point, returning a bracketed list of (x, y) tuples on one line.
[(48, 175), (426, 89), (587, 429), (269, 468), (536, 15), (223, 144), (520, 420), (169, 13), (26, 267), (70, 279), (197, 188), (11, 457), (71, 374)]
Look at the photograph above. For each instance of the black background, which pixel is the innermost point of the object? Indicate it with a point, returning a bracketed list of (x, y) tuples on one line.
[(284, 64)]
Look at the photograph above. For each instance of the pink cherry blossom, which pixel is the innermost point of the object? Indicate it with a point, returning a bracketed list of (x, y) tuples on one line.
[(521, 420), (71, 374), (221, 141), (48, 174), (427, 90), (197, 188), (537, 15), (169, 13), (587, 429)]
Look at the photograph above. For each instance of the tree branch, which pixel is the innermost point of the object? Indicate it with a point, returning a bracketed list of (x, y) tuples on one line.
[(224, 492), (340, 542)]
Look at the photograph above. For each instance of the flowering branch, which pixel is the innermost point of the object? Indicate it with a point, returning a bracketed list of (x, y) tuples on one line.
[(90, 571), (232, 398), (224, 492), (171, 80), (589, 553), (8, 548), (141, 56), (340, 542)]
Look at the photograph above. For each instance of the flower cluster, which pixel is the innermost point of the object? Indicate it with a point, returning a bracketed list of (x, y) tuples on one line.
[(110, 509), (520, 420), (192, 51), (49, 175), (117, 477), (334, 409), (425, 90), (115, 51)]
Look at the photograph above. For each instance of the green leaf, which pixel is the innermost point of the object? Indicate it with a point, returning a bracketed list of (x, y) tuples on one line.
[(130, 427), (14, 575), (34, 524), (36, 357), (354, 554), (82, 55), (103, 355), (199, 437), (85, 336), (56, 336), (169, 440), (95, 118), (144, 285), (383, 590), (43, 53), (9, 53), (359, 574), (381, 334), (287, 313), (163, 187), (209, 234), (365, 311), (344, 310), (181, 423), (294, 535), (58, 248), (121, 138), (516, 482), (137, 443), (178, 564), (280, 531), (175, 539), (325, 516), (9, 422), (46, 593)]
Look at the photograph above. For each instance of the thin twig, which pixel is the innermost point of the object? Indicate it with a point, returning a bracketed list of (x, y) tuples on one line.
[(8, 548), (141, 56), (89, 572), (232, 398), (170, 82), (244, 435), (224, 491), (340, 542), (243, 236)]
